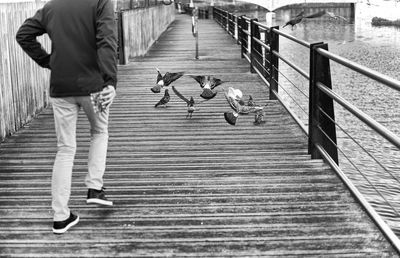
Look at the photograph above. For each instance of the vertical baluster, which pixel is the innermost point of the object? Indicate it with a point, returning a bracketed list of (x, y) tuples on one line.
[(241, 35)]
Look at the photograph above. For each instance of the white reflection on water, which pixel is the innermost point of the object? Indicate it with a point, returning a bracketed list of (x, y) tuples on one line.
[(377, 48)]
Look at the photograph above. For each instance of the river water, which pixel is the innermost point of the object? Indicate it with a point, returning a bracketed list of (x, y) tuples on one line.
[(377, 48)]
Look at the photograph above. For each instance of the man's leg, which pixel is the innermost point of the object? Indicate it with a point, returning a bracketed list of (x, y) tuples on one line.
[(97, 152), (65, 116)]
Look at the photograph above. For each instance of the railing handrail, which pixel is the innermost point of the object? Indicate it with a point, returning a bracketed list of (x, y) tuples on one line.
[(262, 25), (301, 42), (376, 126), (377, 76), (295, 67)]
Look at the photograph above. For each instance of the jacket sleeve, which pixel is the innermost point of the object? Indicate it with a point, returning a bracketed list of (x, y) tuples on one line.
[(106, 40), (26, 38)]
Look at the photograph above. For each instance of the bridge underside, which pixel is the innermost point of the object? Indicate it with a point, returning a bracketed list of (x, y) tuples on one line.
[(272, 5)]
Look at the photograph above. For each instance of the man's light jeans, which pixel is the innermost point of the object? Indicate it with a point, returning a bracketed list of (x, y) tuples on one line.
[(65, 117)]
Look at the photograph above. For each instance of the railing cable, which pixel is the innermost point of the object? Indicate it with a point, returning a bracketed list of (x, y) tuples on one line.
[(359, 145), (296, 87), (380, 129), (352, 163), (283, 88)]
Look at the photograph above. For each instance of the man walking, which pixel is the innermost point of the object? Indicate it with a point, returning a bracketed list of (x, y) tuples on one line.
[(82, 62)]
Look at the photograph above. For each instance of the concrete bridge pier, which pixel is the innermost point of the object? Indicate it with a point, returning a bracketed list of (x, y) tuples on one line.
[(269, 18)]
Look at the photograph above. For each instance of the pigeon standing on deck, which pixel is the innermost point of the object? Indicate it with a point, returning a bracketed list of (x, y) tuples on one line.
[(163, 81), (164, 100), (208, 84), (190, 103), (259, 117), (251, 102)]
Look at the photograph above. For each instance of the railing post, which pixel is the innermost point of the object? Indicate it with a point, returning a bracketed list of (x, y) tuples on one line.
[(217, 16), (273, 63), (266, 57), (231, 25), (227, 21), (251, 42), (121, 47), (214, 10), (241, 20), (320, 126)]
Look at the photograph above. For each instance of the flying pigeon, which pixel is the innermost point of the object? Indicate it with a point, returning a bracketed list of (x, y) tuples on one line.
[(300, 17), (297, 19), (190, 102), (164, 100), (163, 81), (207, 83)]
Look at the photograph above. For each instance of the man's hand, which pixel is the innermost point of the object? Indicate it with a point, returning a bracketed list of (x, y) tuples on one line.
[(107, 95)]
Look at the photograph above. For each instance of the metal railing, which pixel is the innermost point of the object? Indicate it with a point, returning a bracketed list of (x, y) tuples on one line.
[(260, 47)]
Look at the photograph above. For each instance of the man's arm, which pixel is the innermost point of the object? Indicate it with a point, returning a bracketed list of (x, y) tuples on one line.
[(106, 39), (26, 38)]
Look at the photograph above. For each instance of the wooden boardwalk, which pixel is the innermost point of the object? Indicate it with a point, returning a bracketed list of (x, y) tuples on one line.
[(185, 187)]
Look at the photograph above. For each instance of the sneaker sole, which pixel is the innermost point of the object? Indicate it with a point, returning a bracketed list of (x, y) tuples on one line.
[(63, 230), (98, 201)]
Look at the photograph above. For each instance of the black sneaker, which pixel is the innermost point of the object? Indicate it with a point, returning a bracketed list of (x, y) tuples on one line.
[(60, 227), (98, 197)]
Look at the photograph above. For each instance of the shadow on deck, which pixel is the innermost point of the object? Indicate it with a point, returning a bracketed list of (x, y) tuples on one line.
[(185, 187)]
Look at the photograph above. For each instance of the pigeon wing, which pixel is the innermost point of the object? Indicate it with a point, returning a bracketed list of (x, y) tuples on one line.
[(160, 102), (200, 79), (156, 89), (334, 16), (300, 14), (180, 95), (159, 76), (171, 77), (315, 15), (294, 21), (231, 117), (208, 94), (233, 103), (215, 82)]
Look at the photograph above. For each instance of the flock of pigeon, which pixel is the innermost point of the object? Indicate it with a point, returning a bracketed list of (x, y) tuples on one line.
[(208, 83), (233, 96)]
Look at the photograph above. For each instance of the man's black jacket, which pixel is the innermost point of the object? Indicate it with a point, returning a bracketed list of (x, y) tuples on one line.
[(83, 45)]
